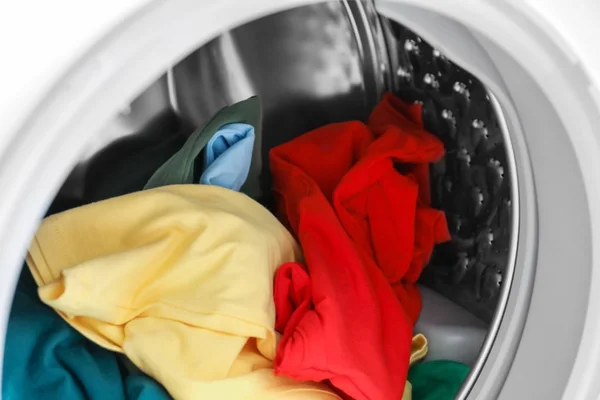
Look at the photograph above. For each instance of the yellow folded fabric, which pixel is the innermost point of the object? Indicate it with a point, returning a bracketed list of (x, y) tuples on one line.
[(407, 395), (418, 348), (418, 351), (180, 279)]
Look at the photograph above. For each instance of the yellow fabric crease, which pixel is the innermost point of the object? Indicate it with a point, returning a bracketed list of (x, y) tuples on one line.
[(418, 348), (418, 351), (180, 279)]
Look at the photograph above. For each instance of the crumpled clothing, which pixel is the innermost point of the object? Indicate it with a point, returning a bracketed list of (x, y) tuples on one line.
[(179, 279), (180, 168), (418, 348), (228, 156), (45, 358), (364, 223), (383, 201), (437, 380), (418, 351)]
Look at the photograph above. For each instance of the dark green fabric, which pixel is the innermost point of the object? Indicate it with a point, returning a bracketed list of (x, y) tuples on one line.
[(179, 169), (437, 380)]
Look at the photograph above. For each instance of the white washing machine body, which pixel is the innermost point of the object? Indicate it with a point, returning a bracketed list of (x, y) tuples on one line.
[(67, 67)]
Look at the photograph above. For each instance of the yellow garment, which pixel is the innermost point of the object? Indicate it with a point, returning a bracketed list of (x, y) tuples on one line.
[(407, 395), (418, 348), (180, 279), (418, 351)]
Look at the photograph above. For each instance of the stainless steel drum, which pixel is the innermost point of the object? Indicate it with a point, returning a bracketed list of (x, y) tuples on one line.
[(326, 63), (518, 285), (331, 62)]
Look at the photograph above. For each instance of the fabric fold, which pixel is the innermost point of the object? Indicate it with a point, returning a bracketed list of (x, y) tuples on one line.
[(351, 300), (178, 278), (437, 380), (418, 351), (354, 196), (179, 169), (45, 358), (228, 157), (418, 348), (387, 213)]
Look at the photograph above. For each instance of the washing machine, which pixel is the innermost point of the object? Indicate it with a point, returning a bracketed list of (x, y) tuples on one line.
[(511, 87)]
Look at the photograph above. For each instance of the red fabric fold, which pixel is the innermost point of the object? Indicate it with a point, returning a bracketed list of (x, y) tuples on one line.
[(367, 231), (292, 294)]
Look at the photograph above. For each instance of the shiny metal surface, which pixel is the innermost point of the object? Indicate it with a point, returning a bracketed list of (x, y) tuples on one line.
[(305, 64), (473, 183), (330, 62), (511, 233), (132, 122), (310, 66)]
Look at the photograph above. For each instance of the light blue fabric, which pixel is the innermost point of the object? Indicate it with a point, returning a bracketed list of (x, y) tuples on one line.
[(228, 155), (44, 358)]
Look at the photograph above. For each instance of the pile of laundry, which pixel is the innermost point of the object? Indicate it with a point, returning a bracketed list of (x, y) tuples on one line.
[(181, 285)]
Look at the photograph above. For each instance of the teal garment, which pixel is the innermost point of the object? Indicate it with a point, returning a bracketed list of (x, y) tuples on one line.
[(437, 380), (140, 387), (180, 168), (44, 358)]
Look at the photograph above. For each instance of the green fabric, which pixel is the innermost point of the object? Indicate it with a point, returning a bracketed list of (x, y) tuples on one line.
[(179, 169), (437, 380)]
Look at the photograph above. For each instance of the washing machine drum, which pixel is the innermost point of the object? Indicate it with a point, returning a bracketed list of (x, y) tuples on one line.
[(510, 90)]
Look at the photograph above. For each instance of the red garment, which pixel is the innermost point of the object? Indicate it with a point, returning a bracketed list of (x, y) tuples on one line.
[(386, 213), (362, 225)]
